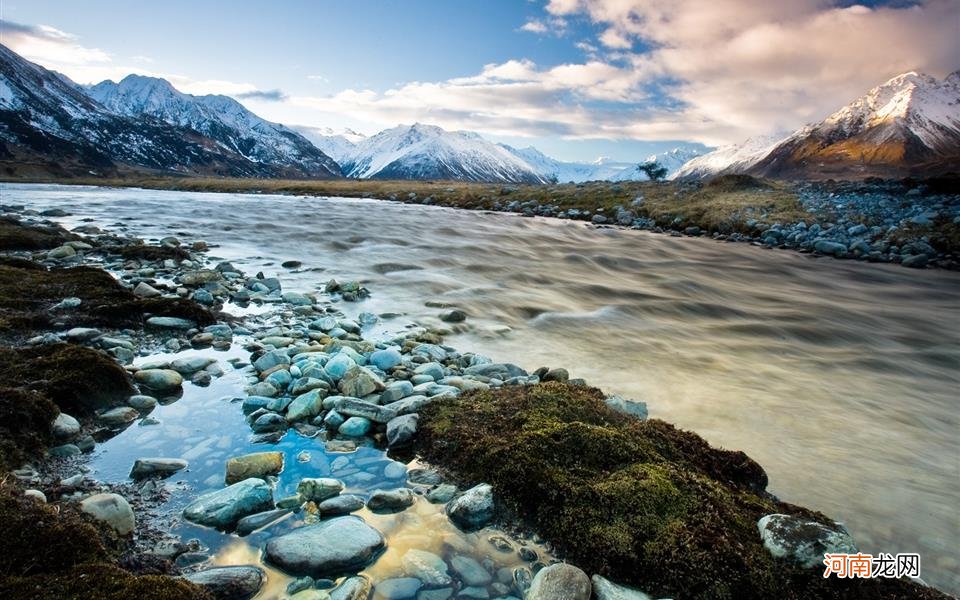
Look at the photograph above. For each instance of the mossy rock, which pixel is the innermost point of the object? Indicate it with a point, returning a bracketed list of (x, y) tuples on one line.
[(100, 581), (640, 502), (14, 235), (79, 380), (27, 294), (25, 425)]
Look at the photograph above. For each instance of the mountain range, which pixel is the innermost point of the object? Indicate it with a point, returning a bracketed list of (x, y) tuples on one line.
[(908, 126)]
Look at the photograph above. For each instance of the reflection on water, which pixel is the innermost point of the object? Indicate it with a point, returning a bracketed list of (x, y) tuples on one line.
[(840, 378)]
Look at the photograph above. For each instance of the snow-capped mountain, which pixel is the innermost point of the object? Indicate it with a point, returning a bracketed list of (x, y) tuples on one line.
[(602, 169), (428, 152), (337, 144), (219, 118), (909, 125), (47, 124)]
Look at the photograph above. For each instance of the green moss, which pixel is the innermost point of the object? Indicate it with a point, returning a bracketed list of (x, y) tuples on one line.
[(78, 380), (57, 552), (25, 425), (26, 295), (639, 501)]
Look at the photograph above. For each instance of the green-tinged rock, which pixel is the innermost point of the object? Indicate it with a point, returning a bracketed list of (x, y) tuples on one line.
[(223, 508), (329, 548), (156, 467), (257, 464), (160, 380), (319, 489), (560, 582), (233, 583), (112, 509)]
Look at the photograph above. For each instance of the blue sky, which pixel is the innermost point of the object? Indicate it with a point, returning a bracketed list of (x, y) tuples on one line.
[(576, 78)]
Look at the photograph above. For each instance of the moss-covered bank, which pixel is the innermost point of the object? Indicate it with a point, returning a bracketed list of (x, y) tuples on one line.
[(56, 552), (638, 501)]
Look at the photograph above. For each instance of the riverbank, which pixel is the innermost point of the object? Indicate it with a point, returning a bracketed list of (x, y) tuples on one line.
[(325, 342), (908, 222)]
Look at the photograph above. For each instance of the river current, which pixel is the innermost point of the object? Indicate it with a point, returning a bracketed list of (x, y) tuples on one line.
[(842, 379)]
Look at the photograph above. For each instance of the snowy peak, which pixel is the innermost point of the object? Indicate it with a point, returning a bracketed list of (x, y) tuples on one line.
[(220, 118), (601, 169), (421, 151)]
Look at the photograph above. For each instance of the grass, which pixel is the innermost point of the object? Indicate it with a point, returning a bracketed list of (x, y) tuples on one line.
[(724, 205), (640, 502)]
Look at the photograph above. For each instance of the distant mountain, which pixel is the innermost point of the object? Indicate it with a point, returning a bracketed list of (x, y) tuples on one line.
[(219, 118), (910, 125), (49, 125), (337, 144), (428, 152), (602, 169)]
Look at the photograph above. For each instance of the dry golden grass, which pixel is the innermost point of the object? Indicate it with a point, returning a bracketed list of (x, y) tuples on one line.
[(722, 205)]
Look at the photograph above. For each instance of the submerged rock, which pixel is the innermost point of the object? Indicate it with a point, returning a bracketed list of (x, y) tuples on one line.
[(251, 523), (390, 500), (427, 567), (352, 588), (257, 464), (803, 541), (161, 380), (229, 583), (319, 489), (473, 509), (223, 508), (329, 548), (156, 467)]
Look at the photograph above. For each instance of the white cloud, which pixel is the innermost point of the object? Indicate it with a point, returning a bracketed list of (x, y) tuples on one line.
[(534, 26)]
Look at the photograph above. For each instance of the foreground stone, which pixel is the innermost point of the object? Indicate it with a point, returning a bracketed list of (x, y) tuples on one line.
[(803, 541), (65, 426), (112, 509), (319, 489), (560, 582), (390, 500), (156, 467), (473, 509), (340, 545), (229, 583), (223, 508), (161, 380), (352, 588), (257, 464), (604, 589)]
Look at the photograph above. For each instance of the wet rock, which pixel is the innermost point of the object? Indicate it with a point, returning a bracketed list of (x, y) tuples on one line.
[(65, 427), (340, 505), (61, 252), (560, 582), (229, 583), (401, 430), (142, 403), (351, 588), (915, 261), (269, 423), (112, 509), (36, 495), (329, 548), (160, 380), (355, 427), (223, 508), (271, 360), (319, 489), (257, 464), (145, 290), (156, 467), (251, 523), (386, 359), (473, 509), (453, 316), (170, 323), (831, 248), (117, 417), (803, 541), (442, 493), (627, 407), (82, 334), (398, 588), (502, 371), (396, 390), (191, 364), (305, 406), (359, 381), (353, 407), (604, 589), (469, 570), (390, 500), (426, 566)]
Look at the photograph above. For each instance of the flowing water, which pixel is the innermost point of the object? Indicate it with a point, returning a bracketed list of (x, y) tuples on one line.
[(842, 379)]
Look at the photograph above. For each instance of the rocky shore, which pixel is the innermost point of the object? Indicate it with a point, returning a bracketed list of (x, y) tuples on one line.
[(579, 492)]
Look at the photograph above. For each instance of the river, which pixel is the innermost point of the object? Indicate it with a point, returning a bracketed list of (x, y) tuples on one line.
[(842, 379)]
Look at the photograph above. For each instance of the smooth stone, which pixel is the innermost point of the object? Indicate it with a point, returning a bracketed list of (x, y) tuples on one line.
[(36, 495), (632, 408), (296, 299), (359, 381), (435, 594), (61, 252), (410, 404), (453, 316), (352, 588), (828, 247), (170, 323), (803, 541), (161, 380), (604, 589), (426, 566), (386, 359), (142, 403), (355, 427), (65, 426), (396, 390), (223, 508), (305, 406), (119, 416), (560, 582), (300, 584), (442, 493), (401, 430), (271, 359), (112, 509), (145, 290), (390, 500), (64, 450), (334, 420), (340, 505), (229, 583), (329, 548), (254, 403), (470, 570), (473, 509), (399, 588), (502, 371), (269, 422), (82, 334), (251, 523), (338, 366), (433, 370), (156, 467), (353, 407), (257, 464), (319, 489), (192, 364)]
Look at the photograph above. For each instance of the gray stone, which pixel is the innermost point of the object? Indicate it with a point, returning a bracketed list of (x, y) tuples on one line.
[(65, 427), (112, 509), (560, 582), (256, 464), (142, 403), (502, 371), (61, 252), (396, 390), (268, 423), (305, 406), (604, 589), (229, 583), (355, 427), (828, 247), (251, 523), (161, 380), (473, 509), (329, 548), (442, 493), (82, 334), (390, 500), (223, 508), (319, 489), (156, 467), (453, 316), (271, 359), (352, 407), (401, 430), (627, 407), (915, 261), (340, 505), (803, 541), (470, 571), (170, 323), (427, 567), (145, 290), (191, 364), (386, 359), (398, 588), (359, 381), (117, 417), (351, 588)]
